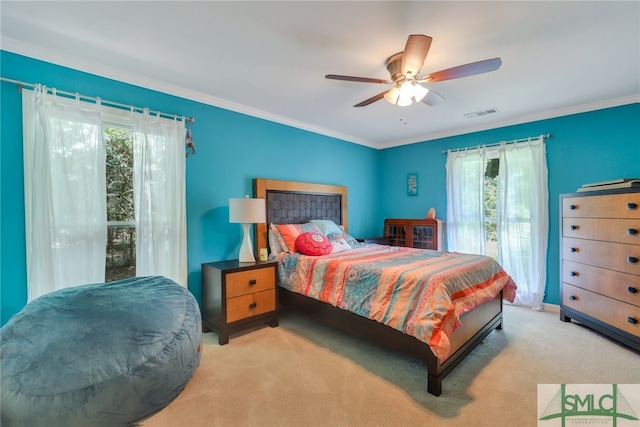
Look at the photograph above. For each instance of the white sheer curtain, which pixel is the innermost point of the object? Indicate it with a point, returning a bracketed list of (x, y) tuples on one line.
[(523, 218), (65, 192), (522, 221), (159, 197), (465, 200)]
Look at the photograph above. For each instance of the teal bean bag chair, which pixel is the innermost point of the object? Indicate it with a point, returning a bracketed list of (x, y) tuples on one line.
[(108, 354)]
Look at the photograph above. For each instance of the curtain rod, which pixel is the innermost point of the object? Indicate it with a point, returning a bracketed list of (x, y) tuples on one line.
[(495, 144), (94, 99)]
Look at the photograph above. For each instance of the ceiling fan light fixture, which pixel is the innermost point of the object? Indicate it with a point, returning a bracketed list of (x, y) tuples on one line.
[(406, 93), (392, 95), (419, 92)]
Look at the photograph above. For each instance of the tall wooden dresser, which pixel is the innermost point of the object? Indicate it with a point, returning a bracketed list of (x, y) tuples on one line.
[(600, 262), (415, 233)]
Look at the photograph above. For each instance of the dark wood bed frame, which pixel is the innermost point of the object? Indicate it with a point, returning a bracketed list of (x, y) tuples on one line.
[(289, 202)]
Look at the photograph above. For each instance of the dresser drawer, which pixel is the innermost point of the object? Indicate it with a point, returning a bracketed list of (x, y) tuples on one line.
[(250, 305), (626, 205), (621, 286), (614, 256), (249, 281), (610, 230), (623, 316)]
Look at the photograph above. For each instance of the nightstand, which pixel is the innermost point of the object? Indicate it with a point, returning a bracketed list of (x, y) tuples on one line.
[(237, 296), (378, 240)]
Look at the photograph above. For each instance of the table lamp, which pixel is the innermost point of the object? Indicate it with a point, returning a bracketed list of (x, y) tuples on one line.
[(246, 211)]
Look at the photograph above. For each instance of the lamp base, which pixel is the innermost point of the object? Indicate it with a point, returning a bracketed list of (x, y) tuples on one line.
[(246, 248)]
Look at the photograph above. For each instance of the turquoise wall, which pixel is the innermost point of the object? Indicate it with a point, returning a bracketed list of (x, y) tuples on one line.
[(233, 148), (588, 147)]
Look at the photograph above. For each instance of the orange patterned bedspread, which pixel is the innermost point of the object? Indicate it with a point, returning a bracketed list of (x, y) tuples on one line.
[(420, 292)]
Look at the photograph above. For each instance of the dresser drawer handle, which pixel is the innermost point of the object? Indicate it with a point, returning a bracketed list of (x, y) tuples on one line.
[(574, 227), (574, 250), (632, 289), (632, 231), (252, 282), (632, 206), (573, 298), (253, 305), (632, 320), (574, 207), (574, 274), (632, 260)]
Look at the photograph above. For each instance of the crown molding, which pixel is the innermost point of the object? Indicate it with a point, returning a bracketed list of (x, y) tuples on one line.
[(69, 61), (576, 109)]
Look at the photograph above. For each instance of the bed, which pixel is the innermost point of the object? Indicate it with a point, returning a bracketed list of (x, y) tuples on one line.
[(339, 293)]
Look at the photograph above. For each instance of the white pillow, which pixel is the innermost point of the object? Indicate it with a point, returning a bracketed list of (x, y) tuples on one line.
[(274, 244), (327, 226), (339, 244)]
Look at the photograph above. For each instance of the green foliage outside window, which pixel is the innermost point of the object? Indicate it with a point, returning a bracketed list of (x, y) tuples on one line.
[(121, 238), (491, 206)]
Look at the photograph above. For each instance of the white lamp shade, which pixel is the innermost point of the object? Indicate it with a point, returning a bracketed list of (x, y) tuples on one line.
[(247, 210)]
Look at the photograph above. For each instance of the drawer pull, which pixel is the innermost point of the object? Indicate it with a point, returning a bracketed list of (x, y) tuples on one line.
[(632, 320), (253, 305), (573, 298), (574, 250), (632, 260), (632, 231), (574, 227), (252, 282), (574, 274), (632, 206), (632, 289), (574, 207)]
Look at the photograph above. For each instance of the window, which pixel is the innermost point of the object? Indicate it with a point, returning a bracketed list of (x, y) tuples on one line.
[(497, 205), (65, 174), (121, 226)]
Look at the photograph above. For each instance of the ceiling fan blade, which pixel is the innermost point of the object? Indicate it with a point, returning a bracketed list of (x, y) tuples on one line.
[(464, 70), (371, 100), (432, 98), (415, 52), (356, 79)]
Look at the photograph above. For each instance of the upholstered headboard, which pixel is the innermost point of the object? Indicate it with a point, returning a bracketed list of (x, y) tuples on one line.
[(289, 202)]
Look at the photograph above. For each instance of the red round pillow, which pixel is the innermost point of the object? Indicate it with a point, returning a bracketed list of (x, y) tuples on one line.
[(314, 244)]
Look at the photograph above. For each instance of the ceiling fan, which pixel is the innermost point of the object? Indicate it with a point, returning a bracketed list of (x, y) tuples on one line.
[(404, 68)]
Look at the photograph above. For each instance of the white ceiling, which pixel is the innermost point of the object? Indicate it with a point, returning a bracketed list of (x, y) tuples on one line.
[(268, 59)]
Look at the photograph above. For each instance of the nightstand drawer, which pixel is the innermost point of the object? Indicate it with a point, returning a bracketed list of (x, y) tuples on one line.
[(250, 305), (249, 281), (618, 314)]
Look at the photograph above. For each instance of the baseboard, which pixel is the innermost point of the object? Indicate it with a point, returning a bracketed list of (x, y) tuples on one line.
[(553, 308)]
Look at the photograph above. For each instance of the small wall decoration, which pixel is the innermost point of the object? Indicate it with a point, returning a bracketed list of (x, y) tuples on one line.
[(412, 184)]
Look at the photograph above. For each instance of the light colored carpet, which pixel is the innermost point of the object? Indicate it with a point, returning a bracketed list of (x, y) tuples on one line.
[(305, 374)]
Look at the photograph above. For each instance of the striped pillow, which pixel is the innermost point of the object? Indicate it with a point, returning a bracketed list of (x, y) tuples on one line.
[(288, 233)]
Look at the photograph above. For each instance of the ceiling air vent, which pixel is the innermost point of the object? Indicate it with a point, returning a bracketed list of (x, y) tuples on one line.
[(481, 113)]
